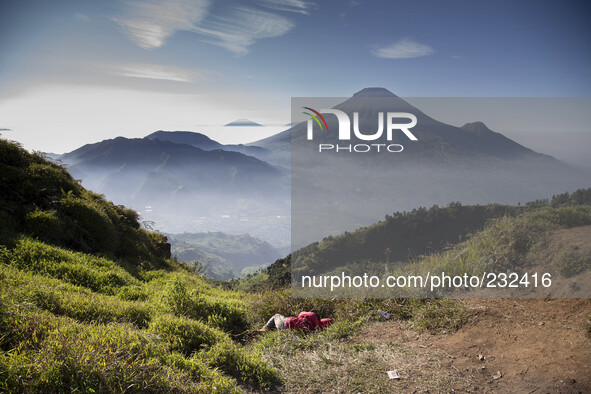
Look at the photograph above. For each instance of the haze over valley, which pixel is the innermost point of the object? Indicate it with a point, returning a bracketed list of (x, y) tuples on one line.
[(186, 182)]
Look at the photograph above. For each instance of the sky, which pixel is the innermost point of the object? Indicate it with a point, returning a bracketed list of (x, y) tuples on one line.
[(79, 71)]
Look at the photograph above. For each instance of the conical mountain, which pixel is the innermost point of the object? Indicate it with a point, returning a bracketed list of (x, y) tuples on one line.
[(471, 164), (436, 140)]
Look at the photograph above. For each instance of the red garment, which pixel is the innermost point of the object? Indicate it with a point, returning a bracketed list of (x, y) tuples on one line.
[(325, 323), (311, 319), (295, 323), (306, 321)]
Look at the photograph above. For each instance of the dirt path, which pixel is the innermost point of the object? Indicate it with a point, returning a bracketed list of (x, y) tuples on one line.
[(507, 345)]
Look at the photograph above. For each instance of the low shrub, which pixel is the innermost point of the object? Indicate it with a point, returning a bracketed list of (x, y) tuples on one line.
[(570, 262), (93, 230), (565, 216)]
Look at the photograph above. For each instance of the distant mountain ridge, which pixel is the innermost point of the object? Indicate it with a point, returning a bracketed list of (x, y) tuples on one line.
[(170, 182), (202, 141), (122, 153)]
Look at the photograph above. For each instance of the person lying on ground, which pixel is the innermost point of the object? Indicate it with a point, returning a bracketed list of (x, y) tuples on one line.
[(309, 321)]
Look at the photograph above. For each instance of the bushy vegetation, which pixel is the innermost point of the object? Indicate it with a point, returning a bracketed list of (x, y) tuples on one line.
[(41, 199), (513, 244), (399, 237), (570, 262)]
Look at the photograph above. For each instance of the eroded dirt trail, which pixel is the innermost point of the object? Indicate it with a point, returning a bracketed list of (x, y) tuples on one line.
[(507, 345)]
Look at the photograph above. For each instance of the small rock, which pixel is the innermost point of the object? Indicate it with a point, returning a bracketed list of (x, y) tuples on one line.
[(481, 357)]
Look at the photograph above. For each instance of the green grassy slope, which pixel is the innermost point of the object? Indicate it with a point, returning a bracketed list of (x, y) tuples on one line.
[(89, 301), (399, 237)]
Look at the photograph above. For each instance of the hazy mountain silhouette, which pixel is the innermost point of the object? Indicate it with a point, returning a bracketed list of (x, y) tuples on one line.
[(437, 140), (243, 122), (174, 183), (202, 141), (224, 167), (333, 192), (186, 137)]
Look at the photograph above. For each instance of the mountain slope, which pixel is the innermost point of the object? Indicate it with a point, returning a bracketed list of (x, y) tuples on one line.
[(525, 241), (201, 141)]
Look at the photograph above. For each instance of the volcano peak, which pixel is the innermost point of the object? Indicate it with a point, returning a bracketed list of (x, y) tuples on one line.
[(374, 92)]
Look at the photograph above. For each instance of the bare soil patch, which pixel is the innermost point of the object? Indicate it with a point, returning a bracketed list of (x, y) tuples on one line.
[(506, 345)]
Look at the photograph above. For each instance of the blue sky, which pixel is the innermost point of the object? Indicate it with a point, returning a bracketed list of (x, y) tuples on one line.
[(78, 71)]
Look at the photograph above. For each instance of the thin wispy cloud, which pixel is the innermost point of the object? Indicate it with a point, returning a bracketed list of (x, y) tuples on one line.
[(298, 6), (151, 71), (402, 49), (150, 23), (82, 17), (241, 27)]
